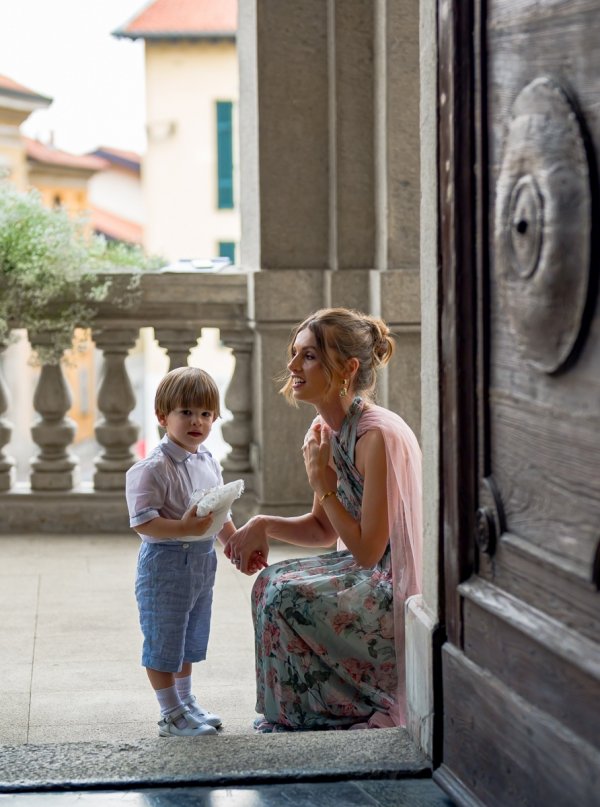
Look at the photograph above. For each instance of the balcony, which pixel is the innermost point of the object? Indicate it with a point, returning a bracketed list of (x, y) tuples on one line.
[(177, 306)]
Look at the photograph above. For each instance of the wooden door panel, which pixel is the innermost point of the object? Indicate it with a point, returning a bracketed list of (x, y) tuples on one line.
[(545, 427), (498, 740), (521, 669), (546, 466), (538, 580), (517, 644)]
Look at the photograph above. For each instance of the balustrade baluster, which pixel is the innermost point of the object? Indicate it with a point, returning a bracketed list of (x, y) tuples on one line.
[(55, 467), (238, 431), (115, 431), (7, 464), (177, 342)]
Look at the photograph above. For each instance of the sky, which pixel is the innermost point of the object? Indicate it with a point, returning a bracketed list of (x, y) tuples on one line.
[(64, 49)]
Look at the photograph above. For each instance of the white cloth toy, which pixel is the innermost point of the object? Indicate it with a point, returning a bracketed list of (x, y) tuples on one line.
[(217, 500)]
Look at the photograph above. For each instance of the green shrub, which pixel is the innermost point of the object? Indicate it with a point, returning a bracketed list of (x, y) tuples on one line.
[(51, 272)]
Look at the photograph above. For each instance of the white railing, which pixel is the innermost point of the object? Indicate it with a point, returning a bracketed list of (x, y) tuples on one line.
[(177, 307)]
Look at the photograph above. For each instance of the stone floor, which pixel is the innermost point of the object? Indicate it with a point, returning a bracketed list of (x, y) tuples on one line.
[(79, 717), (70, 643)]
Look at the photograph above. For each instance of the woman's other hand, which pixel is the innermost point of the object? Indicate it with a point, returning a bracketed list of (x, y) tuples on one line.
[(248, 547), (317, 452)]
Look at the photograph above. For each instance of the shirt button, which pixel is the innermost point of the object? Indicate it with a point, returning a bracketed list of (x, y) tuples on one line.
[(185, 546)]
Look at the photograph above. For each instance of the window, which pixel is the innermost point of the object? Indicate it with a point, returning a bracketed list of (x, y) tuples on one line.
[(227, 250), (225, 154)]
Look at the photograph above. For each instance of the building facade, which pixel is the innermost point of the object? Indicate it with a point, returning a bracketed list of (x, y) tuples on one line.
[(190, 171)]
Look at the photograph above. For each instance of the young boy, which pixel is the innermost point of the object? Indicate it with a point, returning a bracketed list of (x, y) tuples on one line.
[(175, 571)]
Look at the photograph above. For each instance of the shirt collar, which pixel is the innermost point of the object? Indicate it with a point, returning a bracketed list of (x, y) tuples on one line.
[(177, 453)]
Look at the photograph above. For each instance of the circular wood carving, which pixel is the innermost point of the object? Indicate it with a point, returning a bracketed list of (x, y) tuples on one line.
[(543, 225)]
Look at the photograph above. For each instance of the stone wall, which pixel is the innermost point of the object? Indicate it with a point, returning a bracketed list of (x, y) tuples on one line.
[(330, 199)]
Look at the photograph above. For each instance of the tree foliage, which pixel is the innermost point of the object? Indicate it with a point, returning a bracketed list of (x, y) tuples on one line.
[(53, 273)]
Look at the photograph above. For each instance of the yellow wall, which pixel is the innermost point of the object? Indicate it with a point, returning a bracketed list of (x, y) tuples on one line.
[(61, 188), (74, 200), (79, 370), (184, 81), (12, 151)]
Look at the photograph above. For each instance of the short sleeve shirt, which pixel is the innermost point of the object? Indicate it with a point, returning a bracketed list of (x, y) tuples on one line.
[(162, 483)]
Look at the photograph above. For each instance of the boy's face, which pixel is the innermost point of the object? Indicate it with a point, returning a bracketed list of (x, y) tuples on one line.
[(188, 427)]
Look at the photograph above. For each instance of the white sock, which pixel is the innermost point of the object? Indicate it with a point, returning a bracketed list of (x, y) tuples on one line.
[(169, 700), (184, 686)]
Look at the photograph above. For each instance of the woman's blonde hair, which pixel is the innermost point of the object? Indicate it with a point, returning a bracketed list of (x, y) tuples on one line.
[(187, 387), (342, 334)]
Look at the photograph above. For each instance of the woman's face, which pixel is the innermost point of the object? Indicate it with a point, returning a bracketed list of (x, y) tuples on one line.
[(309, 380)]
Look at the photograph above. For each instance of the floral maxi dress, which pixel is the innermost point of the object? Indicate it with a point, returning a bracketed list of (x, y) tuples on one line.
[(324, 626)]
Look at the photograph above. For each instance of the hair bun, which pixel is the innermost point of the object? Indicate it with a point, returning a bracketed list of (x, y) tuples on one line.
[(383, 342)]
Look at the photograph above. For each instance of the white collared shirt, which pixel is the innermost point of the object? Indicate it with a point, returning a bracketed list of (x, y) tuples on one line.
[(162, 483)]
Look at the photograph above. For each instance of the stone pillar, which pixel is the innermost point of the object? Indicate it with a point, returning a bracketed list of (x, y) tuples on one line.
[(238, 431), (116, 399), (352, 149), (7, 464), (284, 139), (400, 308), (55, 467), (399, 194), (402, 159), (422, 627), (325, 214), (352, 55), (177, 342)]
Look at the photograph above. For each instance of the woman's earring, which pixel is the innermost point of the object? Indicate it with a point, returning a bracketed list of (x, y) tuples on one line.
[(344, 389)]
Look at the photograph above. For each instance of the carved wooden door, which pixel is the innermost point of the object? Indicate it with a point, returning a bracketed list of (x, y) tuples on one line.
[(519, 90)]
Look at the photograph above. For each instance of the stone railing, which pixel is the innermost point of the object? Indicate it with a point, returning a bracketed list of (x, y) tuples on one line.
[(177, 306)]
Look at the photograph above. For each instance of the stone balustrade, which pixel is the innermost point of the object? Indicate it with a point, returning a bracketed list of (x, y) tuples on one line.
[(177, 306)]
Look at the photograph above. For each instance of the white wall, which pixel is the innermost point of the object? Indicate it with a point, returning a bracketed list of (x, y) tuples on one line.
[(119, 191), (183, 83)]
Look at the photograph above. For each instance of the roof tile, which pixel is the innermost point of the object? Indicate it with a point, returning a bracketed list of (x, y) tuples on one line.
[(7, 83), (113, 226), (177, 18), (39, 152)]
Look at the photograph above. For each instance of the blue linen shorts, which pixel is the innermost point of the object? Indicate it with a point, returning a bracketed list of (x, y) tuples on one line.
[(174, 591)]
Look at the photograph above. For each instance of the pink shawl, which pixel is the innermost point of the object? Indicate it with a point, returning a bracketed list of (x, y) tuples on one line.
[(405, 529)]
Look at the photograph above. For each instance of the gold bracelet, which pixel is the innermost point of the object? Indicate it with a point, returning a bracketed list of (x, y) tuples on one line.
[(325, 495)]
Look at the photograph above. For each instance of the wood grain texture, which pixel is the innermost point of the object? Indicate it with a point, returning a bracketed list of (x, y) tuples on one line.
[(554, 668), (457, 345), (546, 582), (520, 669), (506, 751)]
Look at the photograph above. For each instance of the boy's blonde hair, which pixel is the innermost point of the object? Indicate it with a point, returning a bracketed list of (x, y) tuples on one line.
[(187, 387)]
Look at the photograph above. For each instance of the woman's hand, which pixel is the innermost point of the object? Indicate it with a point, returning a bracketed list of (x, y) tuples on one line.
[(317, 452), (248, 547)]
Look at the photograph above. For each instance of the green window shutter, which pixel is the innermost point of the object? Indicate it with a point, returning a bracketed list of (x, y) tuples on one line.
[(225, 154), (227, 250)]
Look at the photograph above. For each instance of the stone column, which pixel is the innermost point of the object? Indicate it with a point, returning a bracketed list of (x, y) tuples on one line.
[(7, 464), (238, 431), (422, 629), (352, 102), (115, 432), (330, 195), (285, 118), (399, 194), (177, 342), (55, 467)]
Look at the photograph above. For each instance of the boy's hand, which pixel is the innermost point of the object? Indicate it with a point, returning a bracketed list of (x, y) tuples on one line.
[(193, 524)]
